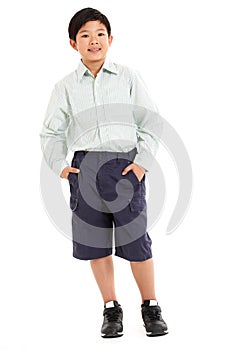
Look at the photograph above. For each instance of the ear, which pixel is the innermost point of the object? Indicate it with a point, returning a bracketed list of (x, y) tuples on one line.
[(110, 40), (73, 44)]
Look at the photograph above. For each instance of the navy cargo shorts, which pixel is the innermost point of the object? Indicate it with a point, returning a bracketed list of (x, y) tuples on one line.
[(109, 210)]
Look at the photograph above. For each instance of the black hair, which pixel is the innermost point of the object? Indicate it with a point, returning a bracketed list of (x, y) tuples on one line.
[(85, 15)]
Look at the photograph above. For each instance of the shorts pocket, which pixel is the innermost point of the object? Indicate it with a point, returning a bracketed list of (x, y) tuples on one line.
[(136, 178), (73, 179), (74, 189)]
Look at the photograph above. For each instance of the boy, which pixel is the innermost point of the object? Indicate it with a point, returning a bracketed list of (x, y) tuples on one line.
[(102, 113)]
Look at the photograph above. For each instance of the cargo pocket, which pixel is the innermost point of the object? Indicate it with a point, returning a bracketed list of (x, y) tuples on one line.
[(138, 202)]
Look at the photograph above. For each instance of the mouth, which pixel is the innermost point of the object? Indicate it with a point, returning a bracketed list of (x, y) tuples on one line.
[(94, 50)]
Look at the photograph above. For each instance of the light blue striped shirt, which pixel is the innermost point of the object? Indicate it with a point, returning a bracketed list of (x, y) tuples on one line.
[(112, 112)]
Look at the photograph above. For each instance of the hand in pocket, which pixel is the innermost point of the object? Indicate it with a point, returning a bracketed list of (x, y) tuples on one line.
[(65, 172)]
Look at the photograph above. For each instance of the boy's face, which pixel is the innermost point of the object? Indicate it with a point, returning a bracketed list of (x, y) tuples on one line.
[(92, 42)]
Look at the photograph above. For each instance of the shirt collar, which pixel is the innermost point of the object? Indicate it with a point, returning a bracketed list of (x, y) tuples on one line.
[(107, 66)]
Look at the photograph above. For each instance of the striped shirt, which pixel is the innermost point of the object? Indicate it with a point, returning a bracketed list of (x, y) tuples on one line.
[(112, 112)]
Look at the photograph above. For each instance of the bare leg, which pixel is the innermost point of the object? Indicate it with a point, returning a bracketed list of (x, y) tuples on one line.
[(103, 271), (143, 273)]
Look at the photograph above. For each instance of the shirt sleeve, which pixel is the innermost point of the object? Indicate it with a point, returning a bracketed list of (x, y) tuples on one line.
[(147, 120), (53, 133)]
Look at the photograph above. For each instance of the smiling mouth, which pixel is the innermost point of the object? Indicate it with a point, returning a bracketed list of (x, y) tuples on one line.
[(94, 50)]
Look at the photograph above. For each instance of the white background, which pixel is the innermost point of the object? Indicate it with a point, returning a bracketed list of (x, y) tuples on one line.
[(183, 50)]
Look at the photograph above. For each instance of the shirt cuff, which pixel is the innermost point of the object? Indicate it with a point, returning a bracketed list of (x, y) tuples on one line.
[(58, 166), (63, 165), (144, 159)]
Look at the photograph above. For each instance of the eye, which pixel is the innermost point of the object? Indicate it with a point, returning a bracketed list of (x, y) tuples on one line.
[(84, 36), (101, 34)]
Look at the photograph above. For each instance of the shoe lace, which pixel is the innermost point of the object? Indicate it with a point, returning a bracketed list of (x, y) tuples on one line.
[(112, 314), (153, 313)]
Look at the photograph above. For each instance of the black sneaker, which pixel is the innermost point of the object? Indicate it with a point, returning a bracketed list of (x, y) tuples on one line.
[(153, 322), (112, 326)]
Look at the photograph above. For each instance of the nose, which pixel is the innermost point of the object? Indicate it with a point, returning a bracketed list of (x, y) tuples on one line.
[(94, 41)]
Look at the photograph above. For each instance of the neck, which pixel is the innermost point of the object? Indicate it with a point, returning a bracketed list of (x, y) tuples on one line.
[(94, 67)]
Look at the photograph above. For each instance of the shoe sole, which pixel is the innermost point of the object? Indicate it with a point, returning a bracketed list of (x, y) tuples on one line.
[(113, 335), (157, 334)]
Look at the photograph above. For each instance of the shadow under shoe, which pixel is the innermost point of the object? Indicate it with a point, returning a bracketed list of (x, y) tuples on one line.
[(112, 324)]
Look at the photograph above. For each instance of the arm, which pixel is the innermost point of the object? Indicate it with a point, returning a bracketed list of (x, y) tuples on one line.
[(53, 133), (148, 121)]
